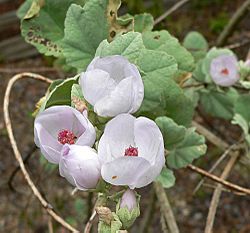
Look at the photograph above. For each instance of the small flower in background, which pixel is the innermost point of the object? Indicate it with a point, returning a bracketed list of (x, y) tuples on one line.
[(131, 151), (224, 70), (113, 86), (59, 125), (80, 166)]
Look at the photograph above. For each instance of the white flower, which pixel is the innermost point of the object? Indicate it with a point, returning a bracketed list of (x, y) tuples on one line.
[(224, 70), (59, 125), (131, 151), (112, 85), (80, 166)]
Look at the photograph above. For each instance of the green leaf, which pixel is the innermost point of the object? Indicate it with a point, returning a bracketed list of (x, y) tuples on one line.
[(163, 97), (166, 178), (244, 125), (61, 94), (219, 103), (44, 26), (242, 106), (196, 44), (163, 41), (172, 133), (143, 22), (156, 62), (239, 120), (85, 28), (128, 45), (190, 148)]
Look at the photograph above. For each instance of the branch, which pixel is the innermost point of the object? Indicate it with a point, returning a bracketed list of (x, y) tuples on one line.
[(215, 165), (236, 18), (217, 193), (170, 11), (219, 180), (90, 222), (210, 136), (17, 154), (166, 208)]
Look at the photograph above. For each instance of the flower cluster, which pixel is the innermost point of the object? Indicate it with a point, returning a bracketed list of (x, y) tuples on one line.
[(130, 151)]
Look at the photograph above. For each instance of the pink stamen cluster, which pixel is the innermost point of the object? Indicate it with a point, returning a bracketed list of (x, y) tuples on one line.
[(66, 136), (131, 151), (225, 71)]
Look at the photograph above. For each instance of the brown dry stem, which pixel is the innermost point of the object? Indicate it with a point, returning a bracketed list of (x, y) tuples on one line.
[(17, 154)]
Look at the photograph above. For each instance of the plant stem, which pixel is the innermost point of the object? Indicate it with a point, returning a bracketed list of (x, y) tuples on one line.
[(166, 208)]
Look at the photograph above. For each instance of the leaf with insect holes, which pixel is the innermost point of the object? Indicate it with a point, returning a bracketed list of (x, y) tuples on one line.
[(44, 28)]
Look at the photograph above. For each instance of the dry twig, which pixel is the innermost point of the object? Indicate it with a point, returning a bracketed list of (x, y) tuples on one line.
[(217, 193), (235, 19), (166, 208), (215, 165), (90, 222), (17, 154), (170, 11), (219, 180)]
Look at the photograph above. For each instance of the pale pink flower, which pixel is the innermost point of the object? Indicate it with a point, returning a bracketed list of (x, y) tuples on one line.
[(224, 70), (112, 85), (59, 125), (131, 151)]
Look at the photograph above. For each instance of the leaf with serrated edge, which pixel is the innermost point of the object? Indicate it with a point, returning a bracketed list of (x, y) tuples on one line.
[(191, 147)]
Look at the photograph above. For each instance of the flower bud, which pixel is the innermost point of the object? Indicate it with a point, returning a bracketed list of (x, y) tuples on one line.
[(128, 208), (128, 200), (80, 166)]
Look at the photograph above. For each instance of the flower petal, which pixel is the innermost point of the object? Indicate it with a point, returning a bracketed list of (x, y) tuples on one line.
[(80, 166), (126, 171), (148, 139), (138, 87), (114, 65), (120, 100), (95, 85)]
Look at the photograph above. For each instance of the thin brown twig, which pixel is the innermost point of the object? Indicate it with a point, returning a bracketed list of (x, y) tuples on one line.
[(17, 154), (219, 180), (166, 208), (217, 194), (235, 19), (170, 11), (50, 225), (25, 160), (215, 165), (210, 136), (89, 224), (211, 186)]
